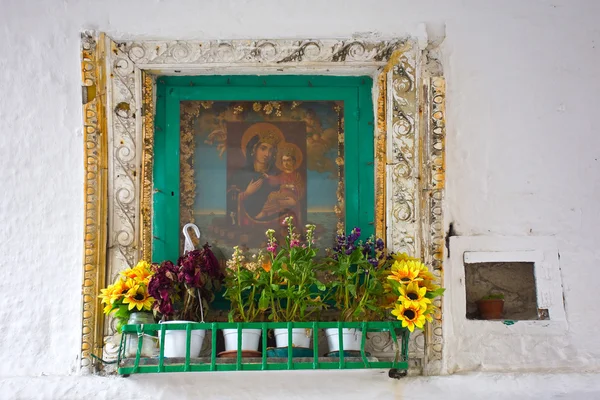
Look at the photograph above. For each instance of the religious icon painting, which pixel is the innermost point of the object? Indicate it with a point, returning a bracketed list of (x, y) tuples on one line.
[(246, 166)]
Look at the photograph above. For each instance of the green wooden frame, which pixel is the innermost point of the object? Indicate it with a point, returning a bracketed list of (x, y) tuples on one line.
[(354, 91)]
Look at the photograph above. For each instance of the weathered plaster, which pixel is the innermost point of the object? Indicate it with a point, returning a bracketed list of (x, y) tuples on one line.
[(513, 280)]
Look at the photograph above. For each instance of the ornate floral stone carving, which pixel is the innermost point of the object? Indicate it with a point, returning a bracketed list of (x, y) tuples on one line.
[(244, 52), (433, 194), (124, 167)]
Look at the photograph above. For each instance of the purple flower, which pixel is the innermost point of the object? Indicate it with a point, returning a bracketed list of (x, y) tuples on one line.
[(354, 235), (166, 308), (190, 272), (169, 266), (379, 244), (294, 243), (367, 248), (197, 266), (213, 268), (163, 295), (164, 279)]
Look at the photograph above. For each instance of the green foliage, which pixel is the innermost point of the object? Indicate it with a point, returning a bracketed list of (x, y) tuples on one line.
[(278, 285), (432, 294), (358, 271), (292, 279), (493, 296), (121, 313), (244, 283)]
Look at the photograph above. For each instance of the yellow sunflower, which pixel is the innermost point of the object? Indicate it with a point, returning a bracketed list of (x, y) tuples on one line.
[(413, 295), (108, 308), (129, 273), (390, 296), (106, 295), (138, 297), (403, 257), (410, 316), (128, 284), (140, 273), (405, 271), (113, 292), (425, 274), (428, 313), (429, 285)]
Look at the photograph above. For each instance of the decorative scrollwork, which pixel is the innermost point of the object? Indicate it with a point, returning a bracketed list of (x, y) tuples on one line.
[(402, 146), (124, 174), (434, 165), (352, 50), (309, 50), (379, 344), (258, 52)]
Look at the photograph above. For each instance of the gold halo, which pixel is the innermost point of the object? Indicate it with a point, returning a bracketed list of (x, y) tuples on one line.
[(280, 154), (255, 129)]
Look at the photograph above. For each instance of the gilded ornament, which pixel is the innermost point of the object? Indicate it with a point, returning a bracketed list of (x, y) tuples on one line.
[(147, 165), (381, 157), (95, 207)]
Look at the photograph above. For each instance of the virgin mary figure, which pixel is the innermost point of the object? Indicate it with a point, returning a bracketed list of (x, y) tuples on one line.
[(251, 185)]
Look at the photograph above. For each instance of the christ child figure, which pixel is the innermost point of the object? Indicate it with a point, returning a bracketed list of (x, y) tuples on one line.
[(286, 200)]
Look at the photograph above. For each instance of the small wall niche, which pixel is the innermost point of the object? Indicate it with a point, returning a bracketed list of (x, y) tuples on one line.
[(524, 269), (514, 280)]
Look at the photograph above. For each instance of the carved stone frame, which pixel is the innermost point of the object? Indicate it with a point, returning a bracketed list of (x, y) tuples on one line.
[(119, 85)]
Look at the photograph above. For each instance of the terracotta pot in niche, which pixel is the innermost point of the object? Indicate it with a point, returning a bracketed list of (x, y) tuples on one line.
[(491, 308)]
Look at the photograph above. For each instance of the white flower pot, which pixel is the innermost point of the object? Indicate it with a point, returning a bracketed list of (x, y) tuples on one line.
[(250, 339), (300, 337), (149, 346), (176, 340), (350, 336)]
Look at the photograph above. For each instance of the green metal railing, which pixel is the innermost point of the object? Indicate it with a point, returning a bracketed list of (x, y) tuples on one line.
[(398, 362)]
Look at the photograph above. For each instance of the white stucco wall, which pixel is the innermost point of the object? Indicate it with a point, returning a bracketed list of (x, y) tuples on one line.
[(522, 154)]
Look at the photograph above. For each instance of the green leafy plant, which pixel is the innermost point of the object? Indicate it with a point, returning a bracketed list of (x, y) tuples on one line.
[(493, 296), (357, 272), (245, 283), (279, 284), (293, 290)]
